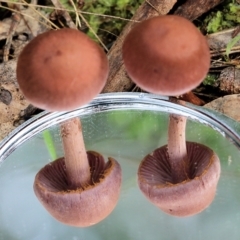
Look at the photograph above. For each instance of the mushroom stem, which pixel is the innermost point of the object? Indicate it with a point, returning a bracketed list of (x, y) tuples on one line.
[(76, 161), (177, 150)]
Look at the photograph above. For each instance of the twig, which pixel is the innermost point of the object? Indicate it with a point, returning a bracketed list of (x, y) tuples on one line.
[(28, 16), (73, 11), (94, 33), (65, 14), (192, 9), (16, 18), (78, 22)]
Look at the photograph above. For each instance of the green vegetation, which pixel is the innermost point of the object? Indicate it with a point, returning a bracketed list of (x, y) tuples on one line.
[(210, 80), (48, 139), (104, 18), (106, 27), (226, 16), (231, 44)]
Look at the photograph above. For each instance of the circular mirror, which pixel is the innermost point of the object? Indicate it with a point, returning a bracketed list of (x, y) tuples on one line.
[(126, 127)]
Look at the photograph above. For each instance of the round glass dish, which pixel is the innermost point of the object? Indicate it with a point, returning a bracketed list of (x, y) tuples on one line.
[(125, 126)]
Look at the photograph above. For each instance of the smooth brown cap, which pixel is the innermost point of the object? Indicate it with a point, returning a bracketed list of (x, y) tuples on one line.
[(79, 207), (166, 55), (185, 198), (61, 70)]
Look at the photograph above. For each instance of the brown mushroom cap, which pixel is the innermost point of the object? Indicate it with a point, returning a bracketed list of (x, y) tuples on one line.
[(79, 207), (184, 198), (61, 70), (166, 55)]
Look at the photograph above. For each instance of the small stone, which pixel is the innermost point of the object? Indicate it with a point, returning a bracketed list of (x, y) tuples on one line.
[(5, 96), (228, 105), (229, 80)]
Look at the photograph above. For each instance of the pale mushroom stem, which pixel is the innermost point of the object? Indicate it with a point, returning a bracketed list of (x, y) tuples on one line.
[(76, 161), (177, 150)]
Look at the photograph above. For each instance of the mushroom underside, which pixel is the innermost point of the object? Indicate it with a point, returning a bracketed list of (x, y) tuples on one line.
[(79, 207), (185, 198)]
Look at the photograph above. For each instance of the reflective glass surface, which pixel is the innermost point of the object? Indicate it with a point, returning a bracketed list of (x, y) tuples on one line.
[(126, 127)]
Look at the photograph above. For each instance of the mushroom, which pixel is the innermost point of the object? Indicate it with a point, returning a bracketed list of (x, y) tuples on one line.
[(80, 189), (181, 177), (169, 56), (166, 55), (61, 70)]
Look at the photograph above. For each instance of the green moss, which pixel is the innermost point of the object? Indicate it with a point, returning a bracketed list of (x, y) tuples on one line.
[(210, 79), (224, 18), (102, 25), (106, 27)]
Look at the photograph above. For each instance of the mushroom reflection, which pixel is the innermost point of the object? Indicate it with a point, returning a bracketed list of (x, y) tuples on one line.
[(181, 177)]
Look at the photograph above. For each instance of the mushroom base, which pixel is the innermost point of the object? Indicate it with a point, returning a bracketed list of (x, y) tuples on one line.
[(185, 198), (79, 207)]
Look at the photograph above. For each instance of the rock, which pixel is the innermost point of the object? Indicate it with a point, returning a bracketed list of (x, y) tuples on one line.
[(229, 80), (12, 103), (228, 105)]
